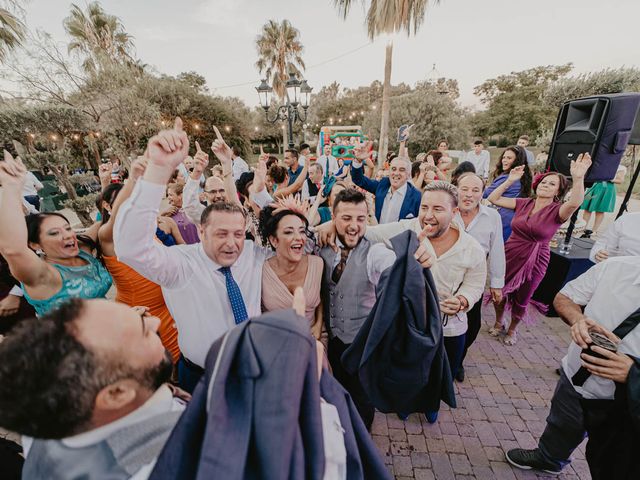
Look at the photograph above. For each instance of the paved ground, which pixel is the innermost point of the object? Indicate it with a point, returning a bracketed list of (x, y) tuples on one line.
[(502, 404)]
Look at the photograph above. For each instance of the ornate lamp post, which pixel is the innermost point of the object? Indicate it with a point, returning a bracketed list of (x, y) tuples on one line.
[(298, 95)]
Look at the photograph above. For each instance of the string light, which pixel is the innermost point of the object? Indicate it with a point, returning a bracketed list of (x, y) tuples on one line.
[(163, 123), (32, 135), (76, 137), (257, 129), (227, 128), (135, 124), (54, 137), (196, 126), (98, 134)]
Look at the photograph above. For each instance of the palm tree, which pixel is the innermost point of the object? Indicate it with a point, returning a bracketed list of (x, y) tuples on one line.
[(388, 16), (98, 36), (279, 54), (12, 33)]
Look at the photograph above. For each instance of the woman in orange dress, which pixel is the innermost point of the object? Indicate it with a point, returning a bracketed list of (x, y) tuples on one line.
[(132, 288)]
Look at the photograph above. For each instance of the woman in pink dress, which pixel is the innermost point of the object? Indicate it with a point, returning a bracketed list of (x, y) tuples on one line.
[(527, 252), (284, 228)]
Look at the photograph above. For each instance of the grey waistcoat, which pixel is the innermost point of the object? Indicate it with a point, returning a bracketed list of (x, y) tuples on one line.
[(347, 303), (117, 457)]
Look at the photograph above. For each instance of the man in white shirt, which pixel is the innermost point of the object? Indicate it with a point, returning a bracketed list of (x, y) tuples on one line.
[(239, 165), (304, 153), (105, 407), (622, 238), (328, 162), (30, 190), (209, 287), (609, 293), (314, 182), (460, 265), (480, 159), (483, 224), (523, 142), (215, 190)]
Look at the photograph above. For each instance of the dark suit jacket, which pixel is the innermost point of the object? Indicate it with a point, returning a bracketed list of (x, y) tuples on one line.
[(410, 204), (256, 412), (399, 352)]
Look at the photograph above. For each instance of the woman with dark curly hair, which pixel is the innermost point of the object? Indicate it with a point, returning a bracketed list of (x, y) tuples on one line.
[(284, 228), (511, 157), (535, 222)]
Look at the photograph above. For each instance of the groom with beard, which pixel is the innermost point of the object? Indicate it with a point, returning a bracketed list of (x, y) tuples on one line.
[(352, 269), (86, 386)]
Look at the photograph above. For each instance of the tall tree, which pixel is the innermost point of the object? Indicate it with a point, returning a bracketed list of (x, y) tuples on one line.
[(98, 36), (388, 16), (514, 103), (12, 30), (279, 54)]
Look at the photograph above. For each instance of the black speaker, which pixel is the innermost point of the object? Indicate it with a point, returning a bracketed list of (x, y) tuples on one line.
[(601, 125), (635, 132)]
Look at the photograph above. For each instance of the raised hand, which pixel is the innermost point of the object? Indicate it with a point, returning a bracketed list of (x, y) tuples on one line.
[(580, 166), (12, 172), (259, 176), (138, 167), (516, 173), (422, 255), (361, 151), (104, 172), (200, 162), (169, 148), (430, 161), (221, 150)]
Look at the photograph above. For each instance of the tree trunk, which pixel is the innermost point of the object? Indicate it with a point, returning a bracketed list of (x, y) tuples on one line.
[(383, 145)]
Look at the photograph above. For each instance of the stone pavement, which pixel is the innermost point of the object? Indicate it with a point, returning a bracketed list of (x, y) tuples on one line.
[(502, 404)]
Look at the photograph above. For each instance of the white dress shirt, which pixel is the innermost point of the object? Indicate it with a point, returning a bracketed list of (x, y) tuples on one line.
[(332, 162), (480, 162), (191, 202), (393, 204), (486, 228), (238, 167), (621, 238), (611, 292), (194, 290), (461, 270), (31, 185)]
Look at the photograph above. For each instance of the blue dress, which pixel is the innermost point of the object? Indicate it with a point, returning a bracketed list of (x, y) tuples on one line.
[(87, 281), (506, 214)]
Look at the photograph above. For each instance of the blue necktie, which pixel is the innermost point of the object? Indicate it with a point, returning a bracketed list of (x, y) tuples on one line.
[(235, 296)]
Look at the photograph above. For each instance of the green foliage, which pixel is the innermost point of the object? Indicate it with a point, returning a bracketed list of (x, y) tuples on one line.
[(279, 54), (12, 32), (595, 83), (514, 103)]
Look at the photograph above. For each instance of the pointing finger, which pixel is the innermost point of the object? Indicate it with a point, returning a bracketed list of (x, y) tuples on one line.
[(218, 135), (177, 124), (198, 149)]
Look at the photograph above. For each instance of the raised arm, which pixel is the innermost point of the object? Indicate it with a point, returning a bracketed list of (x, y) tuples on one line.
[(190, 202), (225, 155), (361, 152), (579, 168), (135, 225), (25, 265), (295, 186), (105, 233), (496, 197)]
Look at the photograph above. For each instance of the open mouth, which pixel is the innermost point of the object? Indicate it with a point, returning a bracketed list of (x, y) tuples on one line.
[(297, 248), (70, 245)]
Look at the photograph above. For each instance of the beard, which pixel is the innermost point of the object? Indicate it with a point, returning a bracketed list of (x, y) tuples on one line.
[(154, 377)]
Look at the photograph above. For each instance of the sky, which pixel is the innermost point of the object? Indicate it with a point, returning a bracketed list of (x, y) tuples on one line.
[(468, 40)]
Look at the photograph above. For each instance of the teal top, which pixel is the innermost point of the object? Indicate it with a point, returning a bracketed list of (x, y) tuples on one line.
[(88, 281)]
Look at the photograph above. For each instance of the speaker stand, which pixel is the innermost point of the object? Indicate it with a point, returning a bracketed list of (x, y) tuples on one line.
[(567, 237), (627, 196)]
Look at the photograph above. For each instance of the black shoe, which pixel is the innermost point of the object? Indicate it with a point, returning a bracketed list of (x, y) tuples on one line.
[(531, 459), (460, 374), (587, 234)]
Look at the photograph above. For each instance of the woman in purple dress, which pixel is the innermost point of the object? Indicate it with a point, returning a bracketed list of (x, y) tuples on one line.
[(535, 222), (511, 157), (188, 229)]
